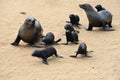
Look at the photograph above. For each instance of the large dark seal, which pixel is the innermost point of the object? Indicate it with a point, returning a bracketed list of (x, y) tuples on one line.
[(74, 20), (49, 39), (45, 53), (30, 32), (82, 50), (97, 19), (71, 36), (99, 7)]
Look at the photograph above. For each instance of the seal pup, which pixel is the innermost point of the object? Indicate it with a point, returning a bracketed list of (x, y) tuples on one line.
[(69, 26), (99, 8), (71, 36), (97, 19), (45, 53), (82, 49), (30, 32), (49, 39), (74, 20)]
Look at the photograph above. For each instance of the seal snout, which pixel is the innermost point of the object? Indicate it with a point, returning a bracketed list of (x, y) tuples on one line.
[(34, 53), (81, 6)]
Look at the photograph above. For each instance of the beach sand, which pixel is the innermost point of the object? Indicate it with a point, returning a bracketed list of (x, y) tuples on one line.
[(16, 62)]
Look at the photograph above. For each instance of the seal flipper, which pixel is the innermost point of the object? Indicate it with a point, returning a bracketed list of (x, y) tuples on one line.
[(73, 56), (90, 28), (57, 41), (45, 61), (16, 42)]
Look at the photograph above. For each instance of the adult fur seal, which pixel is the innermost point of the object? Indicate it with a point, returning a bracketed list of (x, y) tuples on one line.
[(74, 20), (99, 7), (82, 50), (97, 19), (71, 36), (45, 53), (49, 39), (30, 32)]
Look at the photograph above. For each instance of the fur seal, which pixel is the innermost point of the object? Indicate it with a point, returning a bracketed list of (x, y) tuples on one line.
[(69, 26), (30, 31), (45, 53), (99, 7), (97, 19), (74, 20), (49, 39), (82, 50), (71, 36)]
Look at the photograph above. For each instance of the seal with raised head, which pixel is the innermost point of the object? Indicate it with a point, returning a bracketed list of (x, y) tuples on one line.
[(99, 7), (45, 53), (30, 32), (82, 50), (74, 20), (71, 36), (97, 19), (69, 26), (49, 39)]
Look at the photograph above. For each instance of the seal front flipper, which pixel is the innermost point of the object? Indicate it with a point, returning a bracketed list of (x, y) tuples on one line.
[(45, 62), (16, 42), (90, 27)]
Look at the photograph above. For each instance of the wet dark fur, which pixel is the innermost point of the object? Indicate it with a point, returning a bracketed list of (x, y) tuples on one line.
[(99, 7), (45, 53), (71, 36), (49, 39), (82, 50), (74, 19)]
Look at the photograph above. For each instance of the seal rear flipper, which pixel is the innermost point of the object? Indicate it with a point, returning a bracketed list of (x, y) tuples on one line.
[(45, 62), (89, 51), (59, 56), (58, 40), (73, 56), (109, 29)]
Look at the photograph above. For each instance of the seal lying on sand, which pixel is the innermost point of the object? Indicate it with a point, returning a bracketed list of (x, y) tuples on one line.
[(99, 7), (45, 53), (74, 20), (82, 50), (97, 19), (71, 36), (49, 39), (30, 32)]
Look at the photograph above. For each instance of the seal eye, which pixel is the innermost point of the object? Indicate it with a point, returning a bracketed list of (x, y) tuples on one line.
[(29, 20)]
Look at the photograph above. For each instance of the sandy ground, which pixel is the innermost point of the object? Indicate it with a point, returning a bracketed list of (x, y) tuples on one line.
[(16, 63)]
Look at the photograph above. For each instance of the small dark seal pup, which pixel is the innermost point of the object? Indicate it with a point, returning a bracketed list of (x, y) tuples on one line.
[(30, 32), (99, 7), (74, 20), (69, 26), (45, 53), (97, 19), (71, 36), (82, 50), (49, 39)]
